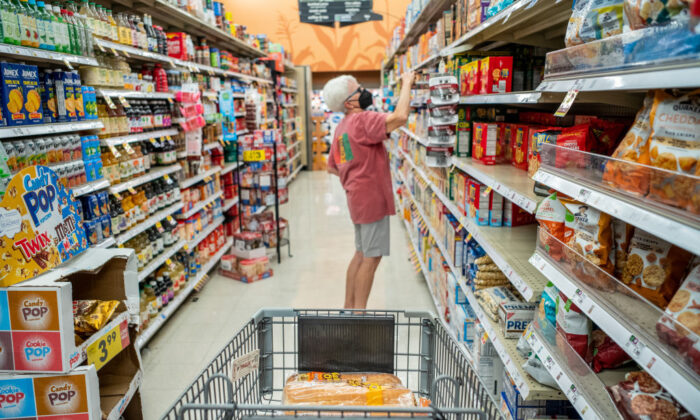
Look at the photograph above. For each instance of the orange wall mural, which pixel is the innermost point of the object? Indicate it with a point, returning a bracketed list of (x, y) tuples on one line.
[(351, 48)]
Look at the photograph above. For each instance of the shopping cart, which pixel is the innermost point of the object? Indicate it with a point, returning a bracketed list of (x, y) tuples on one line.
[(246, 379)]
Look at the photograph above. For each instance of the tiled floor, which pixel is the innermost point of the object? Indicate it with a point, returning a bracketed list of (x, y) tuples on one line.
[(322, 244)]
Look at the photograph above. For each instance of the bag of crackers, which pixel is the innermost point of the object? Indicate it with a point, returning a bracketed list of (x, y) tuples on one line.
[(680, 324)]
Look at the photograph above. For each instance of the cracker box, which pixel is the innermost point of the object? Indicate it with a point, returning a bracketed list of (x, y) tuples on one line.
[(177, 45), (485, 142), (496, 74), (515, 317), (464, 132), (520, 136), (514, 215), (471, 77), (473, 189), (32, 94), (12, 94), (496, 211), (505, 153)]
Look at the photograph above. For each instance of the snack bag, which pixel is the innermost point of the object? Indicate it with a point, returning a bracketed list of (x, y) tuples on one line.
[(675, 147), (642, 13), (654, 267), (602, 19), (91, 315), (592, 234), (622, 235), (548, 304), (639, 397), (573, 325), (534, 367), (684, 309), (573, 28), (634, 147), (551, 214), (606, 353)]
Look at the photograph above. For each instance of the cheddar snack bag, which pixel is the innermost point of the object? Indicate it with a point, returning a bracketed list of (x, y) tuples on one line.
[(551, 214), (333, 388), (675, 147), (592, 234)]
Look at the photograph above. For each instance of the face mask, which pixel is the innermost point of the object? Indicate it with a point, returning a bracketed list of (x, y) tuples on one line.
[(365, 99)]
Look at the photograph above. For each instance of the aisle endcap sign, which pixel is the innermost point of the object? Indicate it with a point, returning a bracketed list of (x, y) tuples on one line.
[(40, 227), (327, 12)]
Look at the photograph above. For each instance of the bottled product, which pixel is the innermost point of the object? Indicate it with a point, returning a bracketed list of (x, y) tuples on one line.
[(124, 30), (29, 34), (113, 28), (41, 25), (10, 23)]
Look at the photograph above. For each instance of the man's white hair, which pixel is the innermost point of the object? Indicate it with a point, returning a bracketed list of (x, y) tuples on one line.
[(337, 90)]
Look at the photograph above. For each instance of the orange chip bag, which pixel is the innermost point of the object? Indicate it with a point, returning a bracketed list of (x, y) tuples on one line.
[(675, 147), (551, 214), (634, 147), (654, 267), (592, 234)]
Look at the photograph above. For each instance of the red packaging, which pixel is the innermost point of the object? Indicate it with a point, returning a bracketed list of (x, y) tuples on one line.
[(514, 215), (176, 45), (606, 353), (503, 144), (496, 74), (473, 191), (546, 118), (485, 142), (520, 135)]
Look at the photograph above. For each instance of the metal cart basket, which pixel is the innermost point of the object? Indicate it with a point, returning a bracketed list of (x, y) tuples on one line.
[(246, 379)]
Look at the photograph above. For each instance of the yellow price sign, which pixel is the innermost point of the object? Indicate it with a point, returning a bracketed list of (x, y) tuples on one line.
[(119, 197), (488, 190), (469, 237), (169, 261), (170, 100), (114, 151), (131, 190), (124, 102), (129, 149), (159, 226), (114, 52), (153, 141), (207, 178), (170, 219), (186, 247), (167, 179), (106, 347), (254, 155), (169, 138)]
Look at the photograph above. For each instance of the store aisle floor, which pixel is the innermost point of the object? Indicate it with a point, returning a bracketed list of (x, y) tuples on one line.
[(322, 238)]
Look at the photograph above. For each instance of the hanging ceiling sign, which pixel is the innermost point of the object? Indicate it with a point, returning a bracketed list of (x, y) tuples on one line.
[(40, 227), (327, 12)]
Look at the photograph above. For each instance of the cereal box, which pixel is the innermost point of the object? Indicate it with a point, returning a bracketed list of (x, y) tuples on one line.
[(496, 74), (485, 142), (32, 95), (472, 83), (520, 135), (12, 94)]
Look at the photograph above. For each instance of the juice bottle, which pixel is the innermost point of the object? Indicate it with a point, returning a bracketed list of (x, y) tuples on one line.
[(113, 29), (60, 31), (40, 25), (80, 41), (48, 18), (88, 15), (10, 23), (101, 19), (73, 40), (150, 297), (143, 37), (124, 30), (84, 28), (30, 37)]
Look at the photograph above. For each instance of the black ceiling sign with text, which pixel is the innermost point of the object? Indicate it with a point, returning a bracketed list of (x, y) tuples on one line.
[(327, 12)]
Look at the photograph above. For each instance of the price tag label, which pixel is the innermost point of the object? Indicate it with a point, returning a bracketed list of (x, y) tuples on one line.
[(124, 102), (126, 54), (222, 141), (107, 99), (569, 99), (114, 151), (131, 190), (119, 197), (469, 237), (129, 149), (170, 100), (106, 347), (186, 247), (169, 218), (159, 227), (254, 155), (168, 138), (114, 52), (99, 45), (579, 298), (169, 262), (168, 180), (488, 190), (67, 63), (572, 394), (634, 346), (207, 178)]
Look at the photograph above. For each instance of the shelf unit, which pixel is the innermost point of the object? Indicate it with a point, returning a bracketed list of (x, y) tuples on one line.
[(195, 179), (90, 187), (201, 204), (229, 167), (146, 224), (131, 138), (43, 56), (204, 233), (160, 260), (156, 323), (48, 129), (154, 174), (229, 203), (127, 94)]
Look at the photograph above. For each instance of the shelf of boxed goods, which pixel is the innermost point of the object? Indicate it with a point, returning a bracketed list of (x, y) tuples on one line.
[(509, 247), (136, 94), (530, 22), (150, 221), (230, 167), (154, 174), (90, 187), (131, 138), (106, 243), (155, 324), (289, 90), (585, 389), (177, 17), (201, 177), (229, 203), (525, 97), (201, 204), (677, 228), (428, 61), (430, 13), (507, 180), (162, 258), (36, 54), (192, 243), (46, 129), (627, 318), (505, 347)]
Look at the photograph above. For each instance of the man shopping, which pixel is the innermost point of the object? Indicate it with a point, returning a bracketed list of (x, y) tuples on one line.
[(359, 158)]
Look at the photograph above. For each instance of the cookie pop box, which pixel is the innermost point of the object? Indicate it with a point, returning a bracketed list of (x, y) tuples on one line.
[(36, 316)]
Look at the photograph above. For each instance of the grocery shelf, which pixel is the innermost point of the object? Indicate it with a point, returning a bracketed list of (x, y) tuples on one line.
[(229, 203), (525, 97), (44, 56), (229, 167), (131, 138), (289, 90), (506, 348), (290, 134), (123, 402), (672, 227), (160, 260), (428, 61), (238, 95), (295, 157), (685, 75), (90, 187), (419, 139), (211, 95), (508, 247), (241, 132), (630, 324), (137, 94), (239, 114), (212, 145), (48, 129), (195, 179), (512, 183), (176, 17), (247, 77), (129, 51), (106, 243), (585, 390), (430, 13), (122, 318), (156, 323), (201, 204), (522, 22), (294, 145), (205, 232), (289, 105), (151, 221), (154, 174)]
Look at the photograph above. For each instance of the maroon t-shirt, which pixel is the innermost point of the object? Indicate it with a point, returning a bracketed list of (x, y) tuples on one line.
[(359, 155)]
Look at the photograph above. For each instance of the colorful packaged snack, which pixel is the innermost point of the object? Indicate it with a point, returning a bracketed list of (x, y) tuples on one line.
[(654, 267), (680, 324), (592, 234), (496, 74), (675, 147), (48, 97), (551, 214), (32, 94), (463, 147), (574, 325), (504, 151), (91, 315), (606, 353), (485, 142), (622, 236), (643, 13), (640, 397), (443, 90), (519, 144)]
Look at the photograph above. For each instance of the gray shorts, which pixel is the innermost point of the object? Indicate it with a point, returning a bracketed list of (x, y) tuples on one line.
[(372, 239)]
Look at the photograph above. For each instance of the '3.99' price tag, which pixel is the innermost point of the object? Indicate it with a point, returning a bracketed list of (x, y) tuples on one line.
[(108, 345)]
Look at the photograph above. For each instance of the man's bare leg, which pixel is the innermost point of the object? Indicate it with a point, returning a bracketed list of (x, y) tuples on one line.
[(350, 279), (364, 280)]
